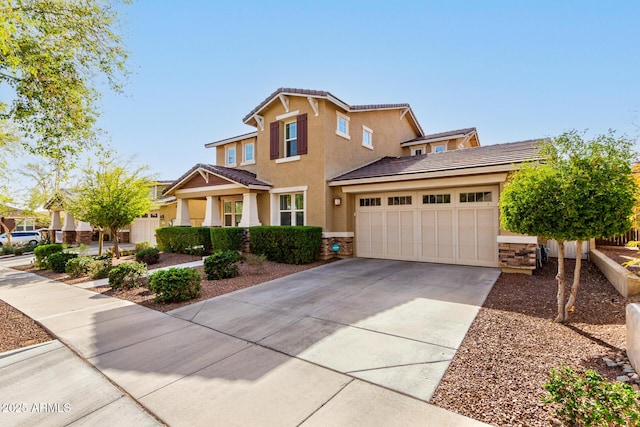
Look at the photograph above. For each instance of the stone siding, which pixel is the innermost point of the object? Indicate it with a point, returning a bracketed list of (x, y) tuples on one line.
[(517, 256), (346, 247)]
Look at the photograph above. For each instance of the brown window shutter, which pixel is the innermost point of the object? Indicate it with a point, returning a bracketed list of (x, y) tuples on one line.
[(302, 133), (274, 141)]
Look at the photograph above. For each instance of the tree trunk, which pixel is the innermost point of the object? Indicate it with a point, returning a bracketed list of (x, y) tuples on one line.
[(100, 241), (568, 308), (7, 232), (116, 247), (561, 282)]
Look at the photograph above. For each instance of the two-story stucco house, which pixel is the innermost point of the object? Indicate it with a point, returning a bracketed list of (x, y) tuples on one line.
[(369, 175)]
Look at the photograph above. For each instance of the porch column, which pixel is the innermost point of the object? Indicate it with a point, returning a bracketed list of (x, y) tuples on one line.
[(212, 212), (182, 214), (56, 224), (69, 229), (84, 232), (249, 210)]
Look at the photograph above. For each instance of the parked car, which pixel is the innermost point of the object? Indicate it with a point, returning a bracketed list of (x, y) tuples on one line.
[(21, 237)]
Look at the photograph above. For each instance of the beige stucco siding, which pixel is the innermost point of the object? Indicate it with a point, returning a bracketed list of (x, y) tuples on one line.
[(344, 155), (239, 146)]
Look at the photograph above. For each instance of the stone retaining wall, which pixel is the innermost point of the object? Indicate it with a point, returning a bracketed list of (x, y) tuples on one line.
[(625, 282)]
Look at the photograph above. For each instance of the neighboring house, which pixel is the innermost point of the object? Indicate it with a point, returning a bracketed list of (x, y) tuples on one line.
[(377, 184), (15, 219), (64, 228)]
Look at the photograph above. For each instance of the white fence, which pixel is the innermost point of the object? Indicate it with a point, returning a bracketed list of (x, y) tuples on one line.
[(570, 249)]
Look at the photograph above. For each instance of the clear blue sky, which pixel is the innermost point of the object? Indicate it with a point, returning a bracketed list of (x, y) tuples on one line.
[(514, 69)]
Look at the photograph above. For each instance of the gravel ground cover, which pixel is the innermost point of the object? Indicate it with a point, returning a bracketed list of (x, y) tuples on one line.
[(249, 276), (18, 330), (621, 254), (498, 372)]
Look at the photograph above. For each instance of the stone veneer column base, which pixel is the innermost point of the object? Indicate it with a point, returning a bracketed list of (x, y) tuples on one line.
[(83, 237), (517, 257), (346, 247), (69, 237)]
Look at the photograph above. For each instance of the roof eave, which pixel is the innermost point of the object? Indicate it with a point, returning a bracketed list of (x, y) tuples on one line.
[(232, 139), (497, 167)]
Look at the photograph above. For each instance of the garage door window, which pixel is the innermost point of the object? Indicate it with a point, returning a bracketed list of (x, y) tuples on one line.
[(480, 196), (436, 199), (292, 209), (399, 200), (370, 201)]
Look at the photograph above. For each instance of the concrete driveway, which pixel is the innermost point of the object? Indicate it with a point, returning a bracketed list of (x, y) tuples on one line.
[(355, 342), (392, 323)]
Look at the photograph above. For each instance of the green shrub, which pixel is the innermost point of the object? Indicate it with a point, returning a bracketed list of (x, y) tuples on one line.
[(222, 265), (7, 250), (43, 251), (287, 244), (227, 239), (148, 256), (586, 399), (184, 239), (140, 246), (100, 267), (127, 275), (175, 284), (79, 267), (58, 261)]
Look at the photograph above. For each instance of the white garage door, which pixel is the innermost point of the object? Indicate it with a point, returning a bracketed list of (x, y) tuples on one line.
[(143, 229), (452, 225)]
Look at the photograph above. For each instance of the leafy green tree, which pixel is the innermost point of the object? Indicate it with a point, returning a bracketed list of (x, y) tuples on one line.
[(583, 189), (111, 197), (53, 56)]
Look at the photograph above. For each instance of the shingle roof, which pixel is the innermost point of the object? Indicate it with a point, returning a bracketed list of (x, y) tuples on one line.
[(240, 176), (335, 99), (490, 155), (464, 131), (231, 139)]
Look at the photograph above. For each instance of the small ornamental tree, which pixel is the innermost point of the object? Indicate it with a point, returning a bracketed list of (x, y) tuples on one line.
[(582, 190), (111, 197)]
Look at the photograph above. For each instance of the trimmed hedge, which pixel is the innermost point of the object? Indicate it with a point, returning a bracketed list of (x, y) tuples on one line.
[(287, 244), (227, 238), (58, 261), (175, 284), (222, 265), (42, 252), (184, 240)]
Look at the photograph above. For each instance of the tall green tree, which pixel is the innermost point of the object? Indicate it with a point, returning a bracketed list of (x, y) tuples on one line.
[(111, 196), (583, 189), (54, 54)]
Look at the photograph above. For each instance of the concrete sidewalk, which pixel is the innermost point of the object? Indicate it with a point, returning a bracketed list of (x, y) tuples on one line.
[(48, 385), (214, 378)]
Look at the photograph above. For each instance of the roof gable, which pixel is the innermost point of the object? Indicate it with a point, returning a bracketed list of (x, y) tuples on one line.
[(204, 175), (309, 93)]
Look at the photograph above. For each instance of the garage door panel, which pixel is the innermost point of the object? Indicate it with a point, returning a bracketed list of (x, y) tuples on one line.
[(466, 234), (428, 224), (487, 230), (377, 233), (407, 234), (363, 233), (446, 244)]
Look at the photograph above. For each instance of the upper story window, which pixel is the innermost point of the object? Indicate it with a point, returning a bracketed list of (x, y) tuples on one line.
[(417, 151), (230, 156), (440, 148), (291, 139), (342, 127), (367, 137), (288, 140), (248, 153)]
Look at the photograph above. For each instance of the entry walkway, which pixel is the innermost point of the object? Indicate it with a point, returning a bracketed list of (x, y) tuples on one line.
[(188, 374)]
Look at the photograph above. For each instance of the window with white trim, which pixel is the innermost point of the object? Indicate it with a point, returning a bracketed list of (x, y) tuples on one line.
[(433, 199), (248, 155), (416, 151), (440, 148), (230, 155), (232, 211), (367, 137), (480, 196), (291, 209), (342, 125), (399, 200), (291, 139)]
